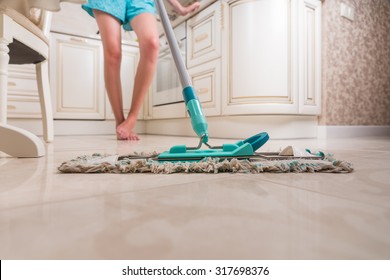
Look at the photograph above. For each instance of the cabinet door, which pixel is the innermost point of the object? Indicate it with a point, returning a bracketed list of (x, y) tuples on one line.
[(204, 36), (130, 57), (310, 57), (76, 74), (206, 80), (261, 58)]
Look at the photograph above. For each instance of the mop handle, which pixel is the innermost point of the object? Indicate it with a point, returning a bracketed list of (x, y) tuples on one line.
[(181, 68), (194, 109)]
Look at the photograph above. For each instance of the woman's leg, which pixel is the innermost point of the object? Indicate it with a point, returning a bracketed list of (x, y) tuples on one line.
[(145, 26), (110, 32)]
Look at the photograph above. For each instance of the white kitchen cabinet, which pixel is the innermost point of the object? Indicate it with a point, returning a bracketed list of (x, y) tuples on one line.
[(206, 80), (260, 58), (254, 65), (271, 57), (204, 56), (130, 58), (309, 27), (204, 35), (76, 77), (23, 99)]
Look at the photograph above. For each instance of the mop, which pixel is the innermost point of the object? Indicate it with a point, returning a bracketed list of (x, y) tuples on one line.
[(243, 148)]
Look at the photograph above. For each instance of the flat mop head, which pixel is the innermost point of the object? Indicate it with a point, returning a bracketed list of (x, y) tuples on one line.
[(241, 149)]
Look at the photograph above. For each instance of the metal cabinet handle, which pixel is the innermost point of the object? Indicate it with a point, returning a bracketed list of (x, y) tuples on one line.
[(11, 84), (201, 38), (79, 40), (202, 90)]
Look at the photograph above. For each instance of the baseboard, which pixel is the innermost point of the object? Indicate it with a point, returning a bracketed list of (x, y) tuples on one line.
[(241, 127), (236, 127), (74, 127), (352, 131)]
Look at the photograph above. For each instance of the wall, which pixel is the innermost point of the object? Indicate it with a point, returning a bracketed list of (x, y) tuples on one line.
[(356, 64)]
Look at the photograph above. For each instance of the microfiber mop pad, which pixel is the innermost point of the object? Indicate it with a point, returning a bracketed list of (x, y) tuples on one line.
[(100, 163)]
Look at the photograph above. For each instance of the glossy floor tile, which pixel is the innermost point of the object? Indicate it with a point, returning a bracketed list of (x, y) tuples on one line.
[(48, 215)]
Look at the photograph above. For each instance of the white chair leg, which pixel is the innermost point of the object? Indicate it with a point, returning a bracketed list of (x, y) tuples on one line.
[(14, 141), (42, 70)]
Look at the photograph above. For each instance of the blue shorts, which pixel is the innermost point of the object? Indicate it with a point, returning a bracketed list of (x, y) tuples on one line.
[(123, 10)]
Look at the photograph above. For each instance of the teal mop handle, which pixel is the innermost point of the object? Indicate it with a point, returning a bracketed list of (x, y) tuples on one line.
[(194, 109)]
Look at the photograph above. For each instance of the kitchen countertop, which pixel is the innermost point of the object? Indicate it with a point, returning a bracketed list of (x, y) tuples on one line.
[(24, 6), (72, 20), (203, 4)]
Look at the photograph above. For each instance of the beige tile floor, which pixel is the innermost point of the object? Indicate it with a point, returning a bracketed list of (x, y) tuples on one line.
[(47, 215)]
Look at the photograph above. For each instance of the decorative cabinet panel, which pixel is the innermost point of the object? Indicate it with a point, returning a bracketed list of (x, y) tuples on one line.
[(206, 79), (310, 53), (76, 76), (270, 57), (23, 99), (261, 58), (130, 57), (204, 35), (204, 56)]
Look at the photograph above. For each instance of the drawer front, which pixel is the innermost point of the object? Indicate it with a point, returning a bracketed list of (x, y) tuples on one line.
[(22, 87), (22, 108), (204, 36), (23, 99), (25, 70), (206, 81)]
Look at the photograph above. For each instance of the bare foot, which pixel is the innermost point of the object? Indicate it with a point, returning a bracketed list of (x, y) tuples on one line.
[(124, 131)]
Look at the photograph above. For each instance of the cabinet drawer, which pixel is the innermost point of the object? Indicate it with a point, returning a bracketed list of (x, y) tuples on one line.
[(204, 35), (206, 81), (19, 107), (20, 71), (22, 80), (22, 87), (23, 99)]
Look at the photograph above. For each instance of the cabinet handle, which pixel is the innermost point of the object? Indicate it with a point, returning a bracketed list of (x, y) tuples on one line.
[(201, 38), (202, 90), (11, 107), (11, 84), (80, 40)]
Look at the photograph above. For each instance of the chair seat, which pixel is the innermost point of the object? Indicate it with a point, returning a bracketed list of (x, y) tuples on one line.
[(22, 54), (24, 21)]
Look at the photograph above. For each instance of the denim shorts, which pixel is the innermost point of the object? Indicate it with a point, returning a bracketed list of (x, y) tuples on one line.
[(123, 10)]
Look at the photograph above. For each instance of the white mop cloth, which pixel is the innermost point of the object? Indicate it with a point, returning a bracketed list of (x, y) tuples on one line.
[(98, 163)]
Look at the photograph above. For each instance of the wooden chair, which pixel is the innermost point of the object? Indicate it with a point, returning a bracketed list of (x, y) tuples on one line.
[(24, 42)]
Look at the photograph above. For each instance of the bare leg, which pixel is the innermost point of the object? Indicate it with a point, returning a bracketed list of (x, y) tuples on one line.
[(145, 26), (110, 32)]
